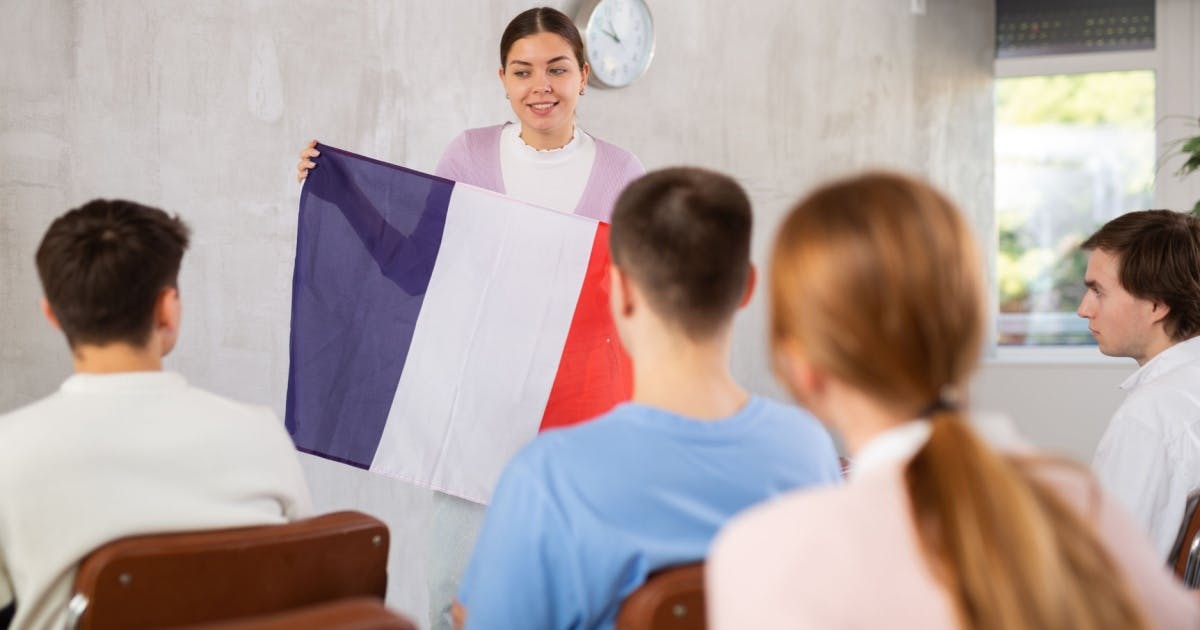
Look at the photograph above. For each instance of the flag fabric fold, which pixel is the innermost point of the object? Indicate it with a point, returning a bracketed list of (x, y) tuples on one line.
[(437, 327)]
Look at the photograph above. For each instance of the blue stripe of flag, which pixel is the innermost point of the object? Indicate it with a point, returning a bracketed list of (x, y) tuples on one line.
[(366, 243)]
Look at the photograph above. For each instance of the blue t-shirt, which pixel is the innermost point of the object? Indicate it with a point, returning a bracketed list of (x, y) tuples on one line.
[(582, 515)]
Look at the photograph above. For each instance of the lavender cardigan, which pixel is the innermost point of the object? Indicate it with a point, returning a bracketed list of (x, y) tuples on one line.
[(474, 158)]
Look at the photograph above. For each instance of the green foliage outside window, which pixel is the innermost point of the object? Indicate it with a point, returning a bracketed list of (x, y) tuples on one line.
[(1191, 152), (1072, 151), (1110, 98)]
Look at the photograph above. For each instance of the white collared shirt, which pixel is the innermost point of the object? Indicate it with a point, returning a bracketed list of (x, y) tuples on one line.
[(553, 178), (1149, 457)]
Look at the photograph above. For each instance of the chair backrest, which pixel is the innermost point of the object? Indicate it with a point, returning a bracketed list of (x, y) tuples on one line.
[(201, 577), (1185, 553), (354, 613), (671, 599)]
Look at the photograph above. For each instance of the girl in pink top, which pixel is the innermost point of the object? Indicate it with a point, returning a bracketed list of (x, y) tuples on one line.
[(545, 159), (877, 320)]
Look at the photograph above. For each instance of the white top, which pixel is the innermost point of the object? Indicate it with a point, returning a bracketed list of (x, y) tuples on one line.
[(1149, 458), (554, 178), (901, 442), (849, 556), (896, 444), (114, 455)]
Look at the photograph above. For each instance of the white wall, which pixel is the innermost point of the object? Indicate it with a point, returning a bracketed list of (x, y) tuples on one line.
[(201, 107), (1060, 406)]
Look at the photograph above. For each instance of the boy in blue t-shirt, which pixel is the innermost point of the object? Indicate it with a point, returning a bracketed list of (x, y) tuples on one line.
[(582, 515)]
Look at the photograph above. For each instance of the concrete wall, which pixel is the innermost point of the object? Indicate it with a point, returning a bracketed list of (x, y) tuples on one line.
[(201, 107)]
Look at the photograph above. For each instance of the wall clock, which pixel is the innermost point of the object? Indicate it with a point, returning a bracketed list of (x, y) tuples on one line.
[(619, 35)]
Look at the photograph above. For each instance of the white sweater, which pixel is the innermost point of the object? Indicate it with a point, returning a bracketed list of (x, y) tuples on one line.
[(115, 455)]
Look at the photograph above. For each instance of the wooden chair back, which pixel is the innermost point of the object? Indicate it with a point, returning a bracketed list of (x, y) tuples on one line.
[(671, 599), (207, 576), (354, 613), (1185, 553)]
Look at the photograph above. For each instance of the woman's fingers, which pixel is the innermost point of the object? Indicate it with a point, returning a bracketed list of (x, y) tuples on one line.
[(302, 169), (306, 162)]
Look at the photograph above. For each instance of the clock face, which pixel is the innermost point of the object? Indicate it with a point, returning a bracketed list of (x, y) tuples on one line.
[(620, 40)]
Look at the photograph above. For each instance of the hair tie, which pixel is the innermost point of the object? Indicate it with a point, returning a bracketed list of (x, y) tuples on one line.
[(941, 404), (947, 400)]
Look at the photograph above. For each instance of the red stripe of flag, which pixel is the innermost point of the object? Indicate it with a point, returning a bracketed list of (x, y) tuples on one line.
[(594, 372)]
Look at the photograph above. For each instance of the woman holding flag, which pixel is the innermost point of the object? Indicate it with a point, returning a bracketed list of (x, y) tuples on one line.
[(546, 159)]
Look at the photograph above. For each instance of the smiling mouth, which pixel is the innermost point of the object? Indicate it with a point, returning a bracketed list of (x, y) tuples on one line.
[(542, 107)]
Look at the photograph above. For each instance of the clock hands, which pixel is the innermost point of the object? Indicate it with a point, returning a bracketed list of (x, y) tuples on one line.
[(611, 32)]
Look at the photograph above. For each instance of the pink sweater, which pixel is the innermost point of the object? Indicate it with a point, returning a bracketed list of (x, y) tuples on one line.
[(848, 557), (474, 158)]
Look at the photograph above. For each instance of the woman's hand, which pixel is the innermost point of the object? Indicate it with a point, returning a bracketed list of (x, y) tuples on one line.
[(306, 162)]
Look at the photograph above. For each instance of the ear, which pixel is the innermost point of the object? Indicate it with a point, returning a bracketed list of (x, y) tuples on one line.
[(48, 313), (751, 284), (1158, 312), (586, 71), (168, 313), (805, 381), (620, 295), (500, 73), (809, 379)]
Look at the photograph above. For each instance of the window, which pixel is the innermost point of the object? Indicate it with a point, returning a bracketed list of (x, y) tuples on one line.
[(1087, 127), (1072, 152)]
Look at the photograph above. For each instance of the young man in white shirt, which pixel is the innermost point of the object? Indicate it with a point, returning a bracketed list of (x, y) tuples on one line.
[(124, 448), (1143, 302)]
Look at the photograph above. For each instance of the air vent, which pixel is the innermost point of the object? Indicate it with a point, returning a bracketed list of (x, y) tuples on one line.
[(1053, 27)]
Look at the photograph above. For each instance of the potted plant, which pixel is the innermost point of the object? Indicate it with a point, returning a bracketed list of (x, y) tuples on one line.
[(1190, 150)]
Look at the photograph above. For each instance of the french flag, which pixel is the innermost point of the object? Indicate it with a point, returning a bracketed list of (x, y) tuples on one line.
[(437, 326)]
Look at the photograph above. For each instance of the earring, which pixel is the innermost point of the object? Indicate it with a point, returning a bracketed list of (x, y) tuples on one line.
[(581, 92)]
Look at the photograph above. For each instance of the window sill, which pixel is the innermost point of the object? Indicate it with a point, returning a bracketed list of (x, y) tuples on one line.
[(1054, 355)]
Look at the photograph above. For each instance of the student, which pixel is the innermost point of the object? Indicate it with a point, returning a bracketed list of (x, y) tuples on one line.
[(546, 159), (124, 448), (1143, 302), (877, 321), (582, 515)]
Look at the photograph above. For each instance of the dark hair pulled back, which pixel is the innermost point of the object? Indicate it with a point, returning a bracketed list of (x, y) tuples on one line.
[(541, 20)]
